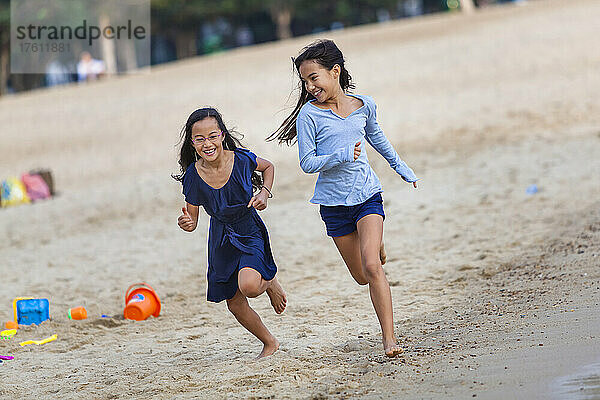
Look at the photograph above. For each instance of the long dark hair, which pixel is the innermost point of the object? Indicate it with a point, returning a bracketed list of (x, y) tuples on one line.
[(187, 154), (327, 54)]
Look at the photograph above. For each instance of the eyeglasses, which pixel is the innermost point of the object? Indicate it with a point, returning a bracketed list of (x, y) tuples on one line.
[(212, 138)]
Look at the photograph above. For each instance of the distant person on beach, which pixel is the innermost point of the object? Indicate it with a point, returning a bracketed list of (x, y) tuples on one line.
[(331, 127), (88, 68), (222, 177), (57, 73)]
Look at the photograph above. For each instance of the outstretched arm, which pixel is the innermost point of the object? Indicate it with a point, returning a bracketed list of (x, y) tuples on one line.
[(310, 162), (385, 148), (377, 139)]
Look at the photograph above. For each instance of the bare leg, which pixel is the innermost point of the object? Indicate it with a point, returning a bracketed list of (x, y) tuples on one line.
[(370, 231), (382, 253), (252, 284), (361, 253), (239, 307), (349, 248)]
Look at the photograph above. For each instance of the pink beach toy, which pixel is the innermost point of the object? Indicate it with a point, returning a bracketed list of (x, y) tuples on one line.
[(36, 187)]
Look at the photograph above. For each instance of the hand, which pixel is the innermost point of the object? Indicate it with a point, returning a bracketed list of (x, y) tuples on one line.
[(356, 150), (185, 221), (259, 201)]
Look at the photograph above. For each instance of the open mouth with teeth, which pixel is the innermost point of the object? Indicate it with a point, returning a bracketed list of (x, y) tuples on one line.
[(209, 152), (317, 93)]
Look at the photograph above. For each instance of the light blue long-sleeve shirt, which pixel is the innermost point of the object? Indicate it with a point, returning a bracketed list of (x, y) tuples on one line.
[(326, 145)]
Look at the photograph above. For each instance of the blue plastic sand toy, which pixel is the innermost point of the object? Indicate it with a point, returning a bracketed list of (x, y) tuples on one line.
[(32, 311)]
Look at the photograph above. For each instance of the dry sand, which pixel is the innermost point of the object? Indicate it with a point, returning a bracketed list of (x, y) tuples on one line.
[(495, 291)]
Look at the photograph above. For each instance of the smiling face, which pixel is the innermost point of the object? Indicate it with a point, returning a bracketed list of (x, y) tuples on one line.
[(207, 139), (322, 83)]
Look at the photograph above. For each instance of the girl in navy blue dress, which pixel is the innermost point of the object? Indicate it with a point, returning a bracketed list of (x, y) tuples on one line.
[(221, 177)]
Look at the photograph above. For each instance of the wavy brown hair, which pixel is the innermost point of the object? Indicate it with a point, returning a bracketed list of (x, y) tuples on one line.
[(327, 54), (187, 152)]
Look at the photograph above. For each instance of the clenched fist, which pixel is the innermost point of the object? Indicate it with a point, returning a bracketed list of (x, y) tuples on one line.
[(185, 221), (356, 150)]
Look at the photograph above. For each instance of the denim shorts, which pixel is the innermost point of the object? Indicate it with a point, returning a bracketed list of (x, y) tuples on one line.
[(341, 220)]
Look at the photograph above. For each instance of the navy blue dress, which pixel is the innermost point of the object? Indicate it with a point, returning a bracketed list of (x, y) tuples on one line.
[(237, 236)]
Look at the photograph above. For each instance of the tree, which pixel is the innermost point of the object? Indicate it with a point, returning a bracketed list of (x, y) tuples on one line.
[(281, 14), (467, 6), (4, 44), (179, 19)]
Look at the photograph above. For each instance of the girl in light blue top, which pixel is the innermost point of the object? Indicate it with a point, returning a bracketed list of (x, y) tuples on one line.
[(331, 127)]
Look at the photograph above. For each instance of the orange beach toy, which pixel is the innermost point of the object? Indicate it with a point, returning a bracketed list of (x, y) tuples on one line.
[(11, 325), (141, 302), (77, 313)]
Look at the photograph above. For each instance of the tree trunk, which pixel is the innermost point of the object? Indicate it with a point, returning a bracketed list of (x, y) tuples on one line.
[(4, 59), (109, 55), (185, 44), (467, 6), (127, 54), (281, 14)]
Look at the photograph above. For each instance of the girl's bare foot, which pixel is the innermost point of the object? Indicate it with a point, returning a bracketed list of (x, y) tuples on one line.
[(269, 349), (277, 296), (392, 348), (382, 254)]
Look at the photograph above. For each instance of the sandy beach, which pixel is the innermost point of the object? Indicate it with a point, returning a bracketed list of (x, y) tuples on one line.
[(495, 291)]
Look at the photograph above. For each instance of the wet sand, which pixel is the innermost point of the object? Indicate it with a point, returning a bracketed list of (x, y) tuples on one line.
[(495, 291)]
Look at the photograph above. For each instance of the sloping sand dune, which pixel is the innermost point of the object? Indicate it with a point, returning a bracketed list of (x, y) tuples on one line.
[(480, 106)]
